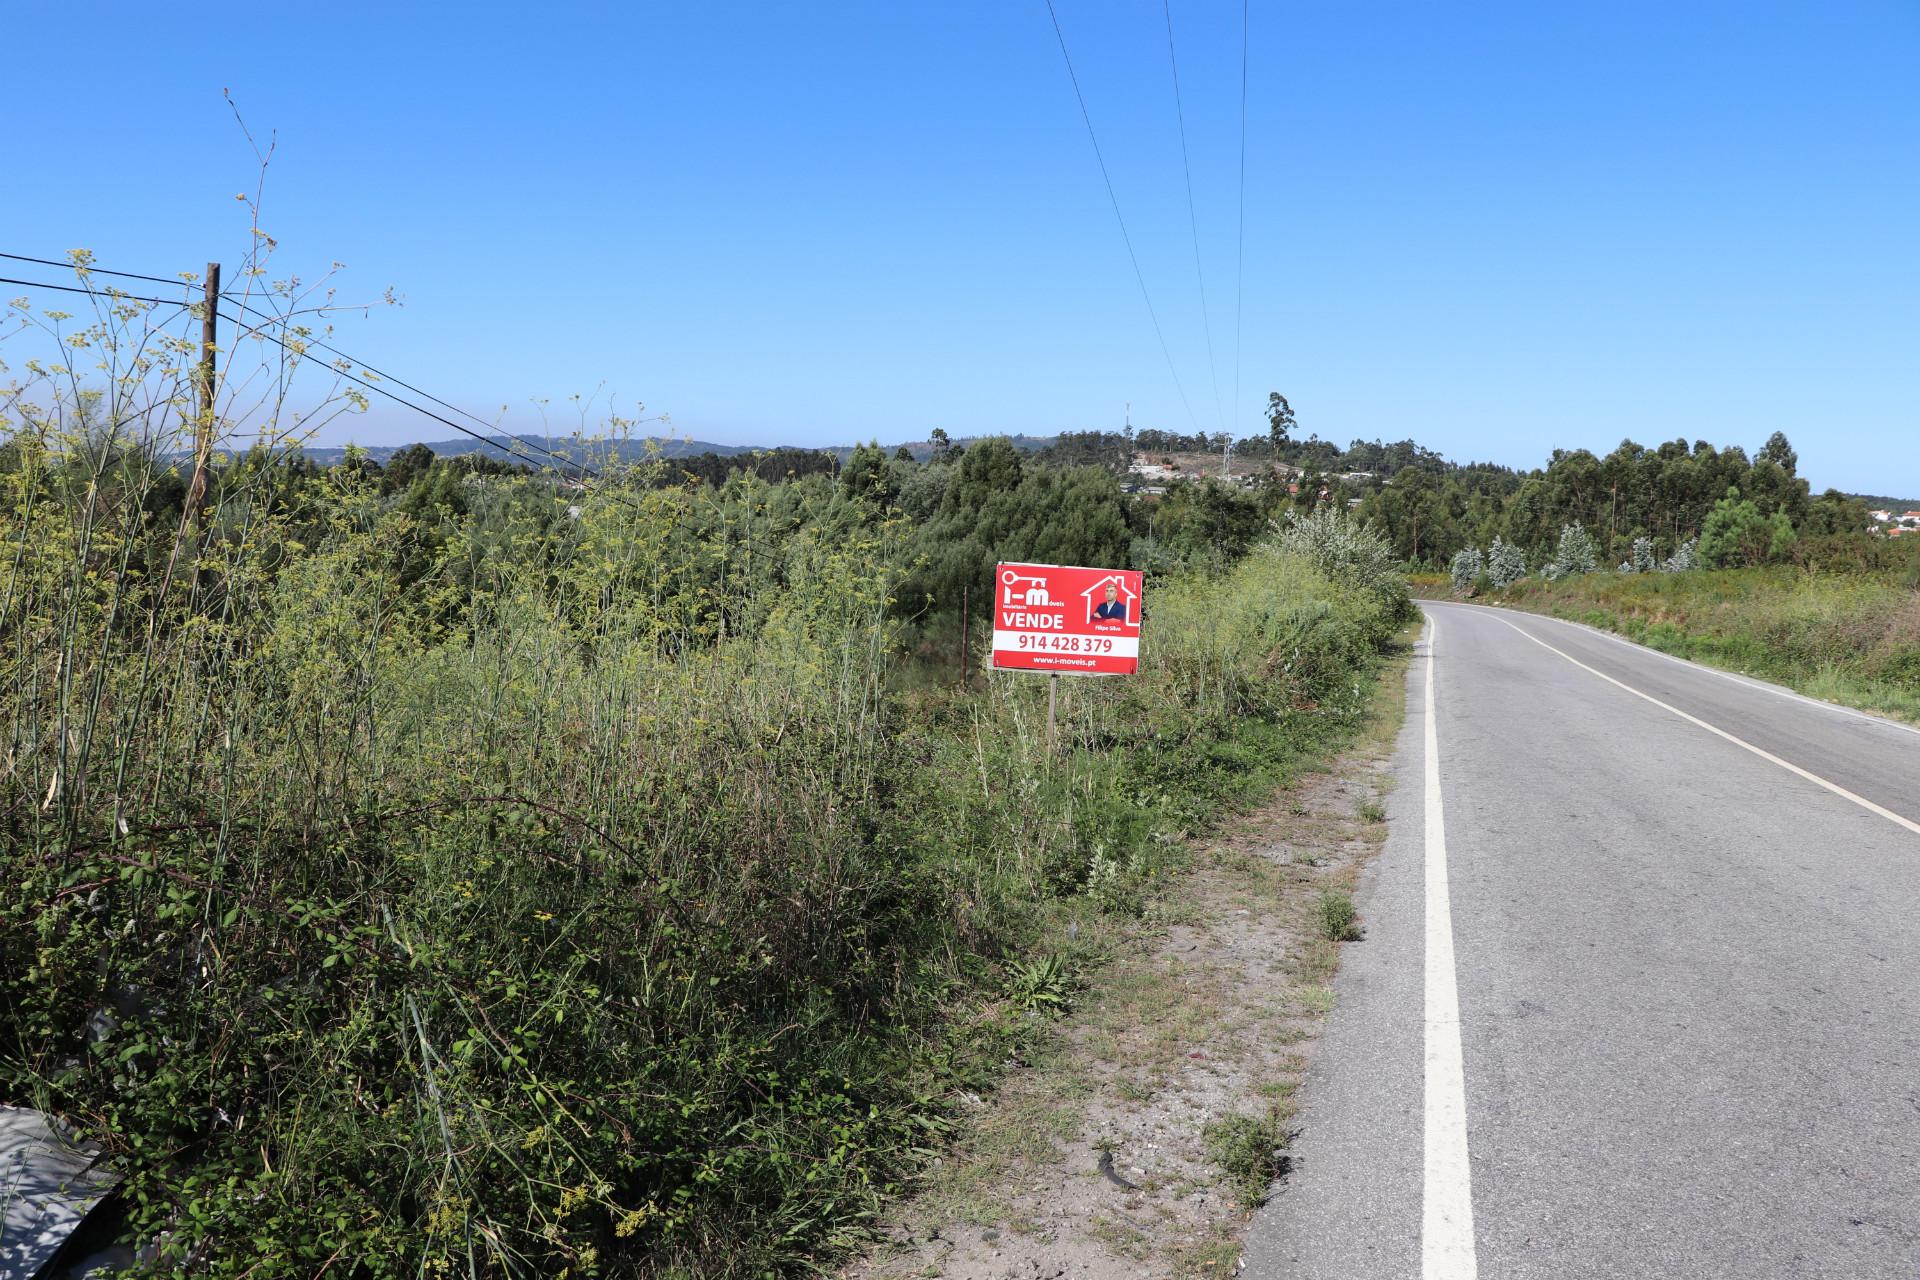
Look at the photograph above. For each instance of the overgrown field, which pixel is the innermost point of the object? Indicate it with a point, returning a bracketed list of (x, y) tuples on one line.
[(1851, 637), (502, 880)]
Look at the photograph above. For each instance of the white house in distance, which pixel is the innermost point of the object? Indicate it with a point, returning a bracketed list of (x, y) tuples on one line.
[(1096, 595), (1896, 523)]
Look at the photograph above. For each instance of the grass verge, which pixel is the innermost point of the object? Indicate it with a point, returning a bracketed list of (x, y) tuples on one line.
[(1849, 638), (1175, 1067)]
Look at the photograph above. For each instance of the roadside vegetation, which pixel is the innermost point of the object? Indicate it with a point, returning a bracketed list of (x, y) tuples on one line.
[(1696, 551), (1154, 1109), (461, 869), (1851, 637)]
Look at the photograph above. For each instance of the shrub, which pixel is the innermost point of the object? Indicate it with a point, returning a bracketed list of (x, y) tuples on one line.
[(489, 878), (1685, 556), (1576, 554), (1468, 564), (1506, 563), (1351, 554)]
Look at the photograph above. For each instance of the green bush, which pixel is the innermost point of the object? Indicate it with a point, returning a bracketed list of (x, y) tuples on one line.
[(1736, 534), (1353, 555)]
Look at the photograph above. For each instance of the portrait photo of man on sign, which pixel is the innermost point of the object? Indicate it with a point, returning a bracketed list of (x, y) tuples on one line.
[(1112, 603)]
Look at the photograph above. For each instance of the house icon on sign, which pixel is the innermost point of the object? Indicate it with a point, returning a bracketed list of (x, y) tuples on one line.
[(1122, 608)]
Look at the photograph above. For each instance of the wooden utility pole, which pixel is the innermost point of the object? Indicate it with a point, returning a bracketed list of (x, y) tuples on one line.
[(202, 443), (203, 385)]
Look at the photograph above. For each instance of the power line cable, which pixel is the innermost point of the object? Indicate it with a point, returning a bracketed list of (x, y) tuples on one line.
[(584, 470), (398, 381), (237, 298), (93, 293), (1240, 259), (509, 444), (177, 304), (504, 442), (100, 271), (401, 382), (511, 441), (1132, 257), (1193, 219), (511, 448), (378, 373)]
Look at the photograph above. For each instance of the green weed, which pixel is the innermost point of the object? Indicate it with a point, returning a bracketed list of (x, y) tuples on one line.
[(1042, 985), (1335, 913), (1248, 1151)]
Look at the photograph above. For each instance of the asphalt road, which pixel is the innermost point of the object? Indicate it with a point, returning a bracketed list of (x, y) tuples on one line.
[(1687, 972)]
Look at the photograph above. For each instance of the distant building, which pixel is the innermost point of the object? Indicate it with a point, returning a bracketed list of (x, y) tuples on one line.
[(1153, 472)]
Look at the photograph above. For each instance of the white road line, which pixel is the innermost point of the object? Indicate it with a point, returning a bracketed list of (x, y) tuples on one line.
[(1744, 681), (1446, 1230), (1742, 743)]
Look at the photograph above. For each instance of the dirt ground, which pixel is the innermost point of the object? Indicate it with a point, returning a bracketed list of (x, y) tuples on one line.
[(1211, 1012)]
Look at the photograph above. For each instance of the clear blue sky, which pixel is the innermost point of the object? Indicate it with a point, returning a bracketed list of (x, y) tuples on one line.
[(1496, 227)]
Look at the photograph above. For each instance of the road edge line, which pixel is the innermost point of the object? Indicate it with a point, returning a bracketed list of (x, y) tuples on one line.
[(1742, 743), (1446, 1228)]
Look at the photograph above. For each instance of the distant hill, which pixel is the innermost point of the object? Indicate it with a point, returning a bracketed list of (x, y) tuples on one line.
[(627, 450), (499, 448), (923, 449), (1876, 502)]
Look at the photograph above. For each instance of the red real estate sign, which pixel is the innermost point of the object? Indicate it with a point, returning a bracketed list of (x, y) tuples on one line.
[(1065, 618)]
